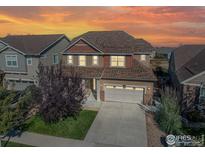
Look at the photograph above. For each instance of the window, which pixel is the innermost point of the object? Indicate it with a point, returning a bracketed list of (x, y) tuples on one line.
[(29, 61), (142, 57), (117, 61), (11, 61), (69, 59), (95, 60), (82, 61), (202, 92), (55, 59)]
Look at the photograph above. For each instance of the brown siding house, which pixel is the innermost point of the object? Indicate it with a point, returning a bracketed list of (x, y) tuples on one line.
[(106, 60), (187, 73)]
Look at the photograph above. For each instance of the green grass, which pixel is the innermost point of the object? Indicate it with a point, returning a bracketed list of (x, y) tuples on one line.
[(68, 128), (14, 144)]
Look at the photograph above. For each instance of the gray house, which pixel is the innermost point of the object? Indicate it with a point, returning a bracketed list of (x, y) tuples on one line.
[(20, 56)]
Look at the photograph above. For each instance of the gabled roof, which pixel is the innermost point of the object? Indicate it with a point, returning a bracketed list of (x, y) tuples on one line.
[(189, 61), (114, 42), (31, 44)]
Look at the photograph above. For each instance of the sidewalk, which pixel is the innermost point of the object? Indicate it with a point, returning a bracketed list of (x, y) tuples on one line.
[(38, 140)]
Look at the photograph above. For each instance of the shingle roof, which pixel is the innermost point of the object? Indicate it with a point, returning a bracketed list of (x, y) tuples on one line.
[(138, 72), (115, 42), (85, 72), (189, 61), (31, 44)]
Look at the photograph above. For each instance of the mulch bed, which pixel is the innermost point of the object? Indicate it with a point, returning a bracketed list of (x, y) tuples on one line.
[(154, 134)]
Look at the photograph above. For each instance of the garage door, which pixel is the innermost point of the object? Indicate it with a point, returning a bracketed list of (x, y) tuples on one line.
[(18, 85), (126, 93)]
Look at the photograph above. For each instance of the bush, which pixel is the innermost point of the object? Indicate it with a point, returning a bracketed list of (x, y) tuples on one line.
[(62, 93), (14, 108), (7, 114), (3, 93), (168, 116), (195, 116)]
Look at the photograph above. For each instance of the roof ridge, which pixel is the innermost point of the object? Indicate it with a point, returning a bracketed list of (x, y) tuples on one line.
[(22, 35), (203, 49)]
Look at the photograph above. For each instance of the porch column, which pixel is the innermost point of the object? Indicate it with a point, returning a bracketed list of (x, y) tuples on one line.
[(98, 89)]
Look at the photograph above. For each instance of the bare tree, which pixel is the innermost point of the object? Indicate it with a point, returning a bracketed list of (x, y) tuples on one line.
[(62, 94)]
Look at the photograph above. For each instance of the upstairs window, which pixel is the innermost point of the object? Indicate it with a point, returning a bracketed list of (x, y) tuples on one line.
[(142, 57), (69, 59), (82, 61), (202, 92), (29, 61), (118, 61), (55, 59), (11, 61), (95, 60)]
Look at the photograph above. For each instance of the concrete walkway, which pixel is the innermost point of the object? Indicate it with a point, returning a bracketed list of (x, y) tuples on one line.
[(39, 140), (119, 124)]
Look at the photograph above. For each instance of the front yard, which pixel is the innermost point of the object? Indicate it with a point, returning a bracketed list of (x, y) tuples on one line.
[(68, 128)]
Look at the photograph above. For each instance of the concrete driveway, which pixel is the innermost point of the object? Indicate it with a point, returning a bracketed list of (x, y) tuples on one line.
[(118, 124)]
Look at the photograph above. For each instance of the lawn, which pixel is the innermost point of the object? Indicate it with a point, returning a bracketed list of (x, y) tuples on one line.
[(68, 128), (14, 144)]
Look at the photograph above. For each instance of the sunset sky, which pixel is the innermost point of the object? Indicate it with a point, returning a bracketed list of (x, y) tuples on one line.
[(161, 26)]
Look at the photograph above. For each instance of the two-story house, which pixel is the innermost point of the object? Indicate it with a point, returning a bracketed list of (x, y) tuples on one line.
[(20, 56), (114, 64), (187, 73)]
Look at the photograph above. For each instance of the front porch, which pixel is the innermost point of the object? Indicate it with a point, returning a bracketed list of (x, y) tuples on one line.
[(93, 101)]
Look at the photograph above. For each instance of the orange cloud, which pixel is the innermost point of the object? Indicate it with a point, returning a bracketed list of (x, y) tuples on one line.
[(162, 26)]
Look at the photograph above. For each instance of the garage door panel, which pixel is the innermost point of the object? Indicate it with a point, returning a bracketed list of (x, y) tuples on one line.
[(130, 95)]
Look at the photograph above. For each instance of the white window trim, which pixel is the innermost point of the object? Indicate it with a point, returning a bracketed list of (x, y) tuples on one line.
[(57, 59), (117, 61), (6, 57), (30, 60), (68, 59), (144, 57), (94, 60), (79, 60)]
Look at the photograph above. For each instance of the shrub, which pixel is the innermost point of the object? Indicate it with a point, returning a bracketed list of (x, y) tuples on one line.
[(168, 116), (14, 108), (62, 94), (195, 116), (7, 114), (3, 93)]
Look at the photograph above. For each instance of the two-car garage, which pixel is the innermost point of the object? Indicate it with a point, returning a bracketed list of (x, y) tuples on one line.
[(123, 93)]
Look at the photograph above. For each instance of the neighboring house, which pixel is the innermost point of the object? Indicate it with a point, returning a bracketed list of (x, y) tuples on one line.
[(163, 52), (20, 56), (114, 64), (187, 72)]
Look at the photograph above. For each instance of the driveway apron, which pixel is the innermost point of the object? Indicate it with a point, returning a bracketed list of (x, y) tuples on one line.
[(118, 124)]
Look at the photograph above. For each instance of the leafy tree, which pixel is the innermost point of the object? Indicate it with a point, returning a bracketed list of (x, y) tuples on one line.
[(1, 77), (62, 94), (14, 110), (168, 116)]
